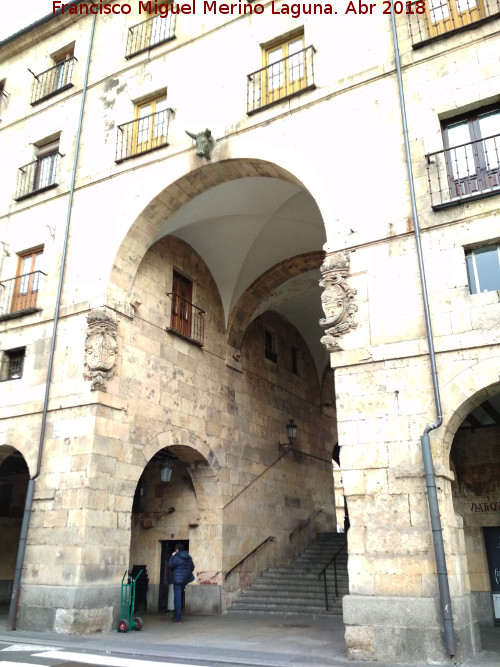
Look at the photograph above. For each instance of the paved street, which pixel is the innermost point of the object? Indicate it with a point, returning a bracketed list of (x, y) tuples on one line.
[(205, 641)]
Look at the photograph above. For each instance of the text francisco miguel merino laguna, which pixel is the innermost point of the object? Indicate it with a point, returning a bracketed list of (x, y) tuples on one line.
[(208, 7)]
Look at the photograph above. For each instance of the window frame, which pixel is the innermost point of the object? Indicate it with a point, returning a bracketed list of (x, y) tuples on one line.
[(473, 275), (8, 357), (26, 290), (281, 68), (270, 349), (485, 176), (181, 314), (153, 140), (455, 18)]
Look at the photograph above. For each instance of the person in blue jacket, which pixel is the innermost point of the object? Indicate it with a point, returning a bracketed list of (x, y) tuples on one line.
[(180, 567)]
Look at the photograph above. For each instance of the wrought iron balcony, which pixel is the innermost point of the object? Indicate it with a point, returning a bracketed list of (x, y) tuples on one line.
[(443, 17), (148, 34), (186, 319), (465, 172), (283, 79), (37, 176), (52, 81), (18, 296), (142, 135)]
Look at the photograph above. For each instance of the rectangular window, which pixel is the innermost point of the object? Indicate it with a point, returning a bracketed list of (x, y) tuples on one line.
[(12, 364), (448, 15), (62, 70), (27, 281), (46, 165), (270, 347), (182, 306), (483, 269), (472, 145), (56, 78), (148, 34), (285, 70)]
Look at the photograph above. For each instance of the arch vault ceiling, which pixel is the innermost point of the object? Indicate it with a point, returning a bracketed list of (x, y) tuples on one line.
[(244, 227)]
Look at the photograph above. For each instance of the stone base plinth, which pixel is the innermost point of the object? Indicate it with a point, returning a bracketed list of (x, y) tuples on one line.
[(204, 600), (407, 630), (68, 609)]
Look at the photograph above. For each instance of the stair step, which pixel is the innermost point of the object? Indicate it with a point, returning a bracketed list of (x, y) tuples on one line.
[(297, 589)]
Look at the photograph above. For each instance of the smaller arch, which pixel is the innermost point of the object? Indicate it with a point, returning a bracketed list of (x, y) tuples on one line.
[(463, 393), (196, 454), (249, 302)]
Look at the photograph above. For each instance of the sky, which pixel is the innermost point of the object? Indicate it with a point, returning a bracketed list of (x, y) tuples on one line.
[(17, 15)]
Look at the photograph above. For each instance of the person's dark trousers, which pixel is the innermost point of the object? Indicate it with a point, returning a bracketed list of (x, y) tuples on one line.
[(178, 588)]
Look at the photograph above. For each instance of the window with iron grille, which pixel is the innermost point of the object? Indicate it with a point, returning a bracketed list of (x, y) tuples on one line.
[(13, 364), (287, 70), (41, 174), (468, 167), (483, 268), (55, 79), (150, 33), (473, 145)]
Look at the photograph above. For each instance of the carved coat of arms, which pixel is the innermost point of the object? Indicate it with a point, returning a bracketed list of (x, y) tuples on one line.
[(337, 300), (100, 348)]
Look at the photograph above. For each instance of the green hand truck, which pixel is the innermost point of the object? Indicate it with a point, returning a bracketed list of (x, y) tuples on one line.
[(127, 605)]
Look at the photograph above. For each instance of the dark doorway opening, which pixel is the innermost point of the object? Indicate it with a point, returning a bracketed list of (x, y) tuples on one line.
[(166, 592)]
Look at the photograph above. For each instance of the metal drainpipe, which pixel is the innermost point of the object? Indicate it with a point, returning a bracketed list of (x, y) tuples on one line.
[(437, 533), (11, 621)]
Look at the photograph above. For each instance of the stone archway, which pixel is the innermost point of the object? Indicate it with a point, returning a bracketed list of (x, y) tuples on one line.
[(14, 477), (187, 508), (472, 449)]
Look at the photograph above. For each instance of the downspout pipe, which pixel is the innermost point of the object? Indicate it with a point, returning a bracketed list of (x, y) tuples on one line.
[(430, 478), (28, 506)]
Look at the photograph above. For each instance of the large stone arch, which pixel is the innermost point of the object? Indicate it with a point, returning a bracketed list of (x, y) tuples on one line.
[(150, 221)]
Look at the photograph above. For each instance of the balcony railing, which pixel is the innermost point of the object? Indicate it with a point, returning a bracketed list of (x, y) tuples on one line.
[(18, 295), (37, 176), (186, 319), (442, 17), (142, 135), (148, 34), (465, 172), (52, 81), (281, 80)]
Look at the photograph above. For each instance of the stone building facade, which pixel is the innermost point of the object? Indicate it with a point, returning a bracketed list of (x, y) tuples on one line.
[(208, 228)]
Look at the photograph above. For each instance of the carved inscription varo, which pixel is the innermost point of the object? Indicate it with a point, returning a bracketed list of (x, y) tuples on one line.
[(100, 348), (337, 300)]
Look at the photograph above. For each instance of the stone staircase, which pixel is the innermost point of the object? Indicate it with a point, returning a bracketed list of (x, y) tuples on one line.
[(297, 589)]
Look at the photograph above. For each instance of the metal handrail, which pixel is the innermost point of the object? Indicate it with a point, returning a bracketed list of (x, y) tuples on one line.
[(333, 560), (305, 522), (46, 84), (268, 539)]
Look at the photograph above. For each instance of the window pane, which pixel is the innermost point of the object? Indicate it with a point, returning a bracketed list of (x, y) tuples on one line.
[(439, 10), (489, 125), (46, 170), (275, 72), (161, 29), (461, 158), (488, 268), (465, 5), (295, 60)]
